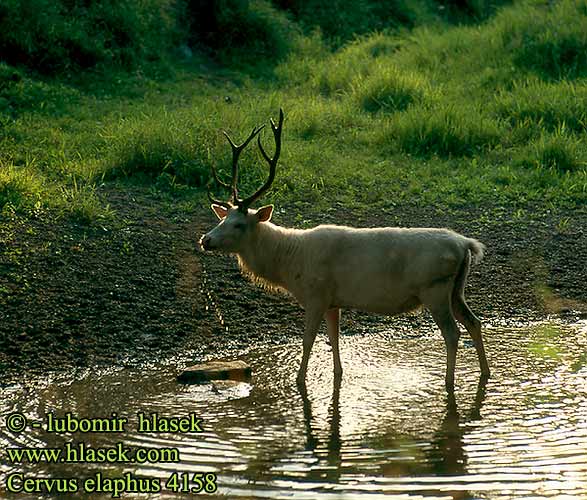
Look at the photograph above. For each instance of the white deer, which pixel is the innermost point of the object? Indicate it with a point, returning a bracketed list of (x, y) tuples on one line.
[(384, 270)]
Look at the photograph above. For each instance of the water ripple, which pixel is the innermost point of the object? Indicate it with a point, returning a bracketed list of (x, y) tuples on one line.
[(386, 430)]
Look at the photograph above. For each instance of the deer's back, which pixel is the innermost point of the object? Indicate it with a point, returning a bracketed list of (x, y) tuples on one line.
[(382, 269)]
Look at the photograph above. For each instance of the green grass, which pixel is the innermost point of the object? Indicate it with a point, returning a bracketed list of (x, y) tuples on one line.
[(441, 114), (561, 152), (444, 129), (536, 105), (388, 89)]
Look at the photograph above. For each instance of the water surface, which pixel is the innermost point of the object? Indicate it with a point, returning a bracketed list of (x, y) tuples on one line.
[(387, 430)]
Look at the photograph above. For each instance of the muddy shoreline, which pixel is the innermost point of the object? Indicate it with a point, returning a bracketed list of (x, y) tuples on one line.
[(138, 290)]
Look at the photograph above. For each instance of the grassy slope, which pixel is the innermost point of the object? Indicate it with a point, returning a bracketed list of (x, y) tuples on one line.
[(494, 113)]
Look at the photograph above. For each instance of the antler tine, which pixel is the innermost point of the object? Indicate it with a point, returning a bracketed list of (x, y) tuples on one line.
[(244, 204), (221, 183), (218, 180), (236, 151), (214, 201)]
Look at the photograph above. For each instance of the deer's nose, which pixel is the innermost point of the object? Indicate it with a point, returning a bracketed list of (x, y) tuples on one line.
[(205, 242)]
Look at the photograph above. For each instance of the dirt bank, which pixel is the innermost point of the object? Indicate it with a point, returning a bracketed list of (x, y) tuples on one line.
[(73, 295)]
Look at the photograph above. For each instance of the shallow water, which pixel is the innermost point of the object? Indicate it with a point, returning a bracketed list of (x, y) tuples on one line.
[(387, 430)]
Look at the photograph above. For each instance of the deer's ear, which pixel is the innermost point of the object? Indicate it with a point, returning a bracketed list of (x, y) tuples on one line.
[(220, 211), (264, 213)]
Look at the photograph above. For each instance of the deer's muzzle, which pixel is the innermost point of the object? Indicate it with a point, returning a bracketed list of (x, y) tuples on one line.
[(205, 242)]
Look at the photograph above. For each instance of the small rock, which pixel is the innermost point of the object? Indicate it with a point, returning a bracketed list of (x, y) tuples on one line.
[(215, 370)]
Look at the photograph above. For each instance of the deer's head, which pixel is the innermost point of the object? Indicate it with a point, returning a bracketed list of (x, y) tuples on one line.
[(238, 222)]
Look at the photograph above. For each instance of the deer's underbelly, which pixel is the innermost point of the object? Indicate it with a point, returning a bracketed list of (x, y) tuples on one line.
[(380, 306)]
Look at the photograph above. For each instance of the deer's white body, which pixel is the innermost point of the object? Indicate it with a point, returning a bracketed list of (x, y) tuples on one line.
[(329, 268), (382, 270)]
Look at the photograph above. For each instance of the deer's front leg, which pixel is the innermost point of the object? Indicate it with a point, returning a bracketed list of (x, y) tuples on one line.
[(333, 327), (312, 322)]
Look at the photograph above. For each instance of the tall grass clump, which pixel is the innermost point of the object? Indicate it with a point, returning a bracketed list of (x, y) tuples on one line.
[(183, 145), (444, 130), (335, 75), (297, 68), (151, 147), (365, 71), (318, 117), (388, 89), (525, 40), (26, 188), (560, 152), (548, 39), (545, 105), (452, 55), (19, 93)]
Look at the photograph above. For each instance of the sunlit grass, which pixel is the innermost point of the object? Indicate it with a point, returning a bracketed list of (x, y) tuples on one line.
[(559, 151), (442, 130), (20, 186), (536, 105), (388, 89)]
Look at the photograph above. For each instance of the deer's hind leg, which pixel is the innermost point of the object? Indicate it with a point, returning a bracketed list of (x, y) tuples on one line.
[(465, 316), (437, 299)]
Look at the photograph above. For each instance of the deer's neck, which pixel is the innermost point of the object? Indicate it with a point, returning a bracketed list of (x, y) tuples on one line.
[(273, 256)]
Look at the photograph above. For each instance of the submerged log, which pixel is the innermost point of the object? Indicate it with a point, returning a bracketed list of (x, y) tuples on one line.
[(215, 370)]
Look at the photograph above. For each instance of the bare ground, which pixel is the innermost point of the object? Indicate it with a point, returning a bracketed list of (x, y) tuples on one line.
[(73, 295)]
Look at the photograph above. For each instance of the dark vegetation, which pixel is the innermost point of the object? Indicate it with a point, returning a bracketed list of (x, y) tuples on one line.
[(56, 36)]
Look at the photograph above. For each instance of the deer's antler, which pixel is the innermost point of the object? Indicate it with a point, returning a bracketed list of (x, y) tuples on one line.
[(244, 204), (236, 151)]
